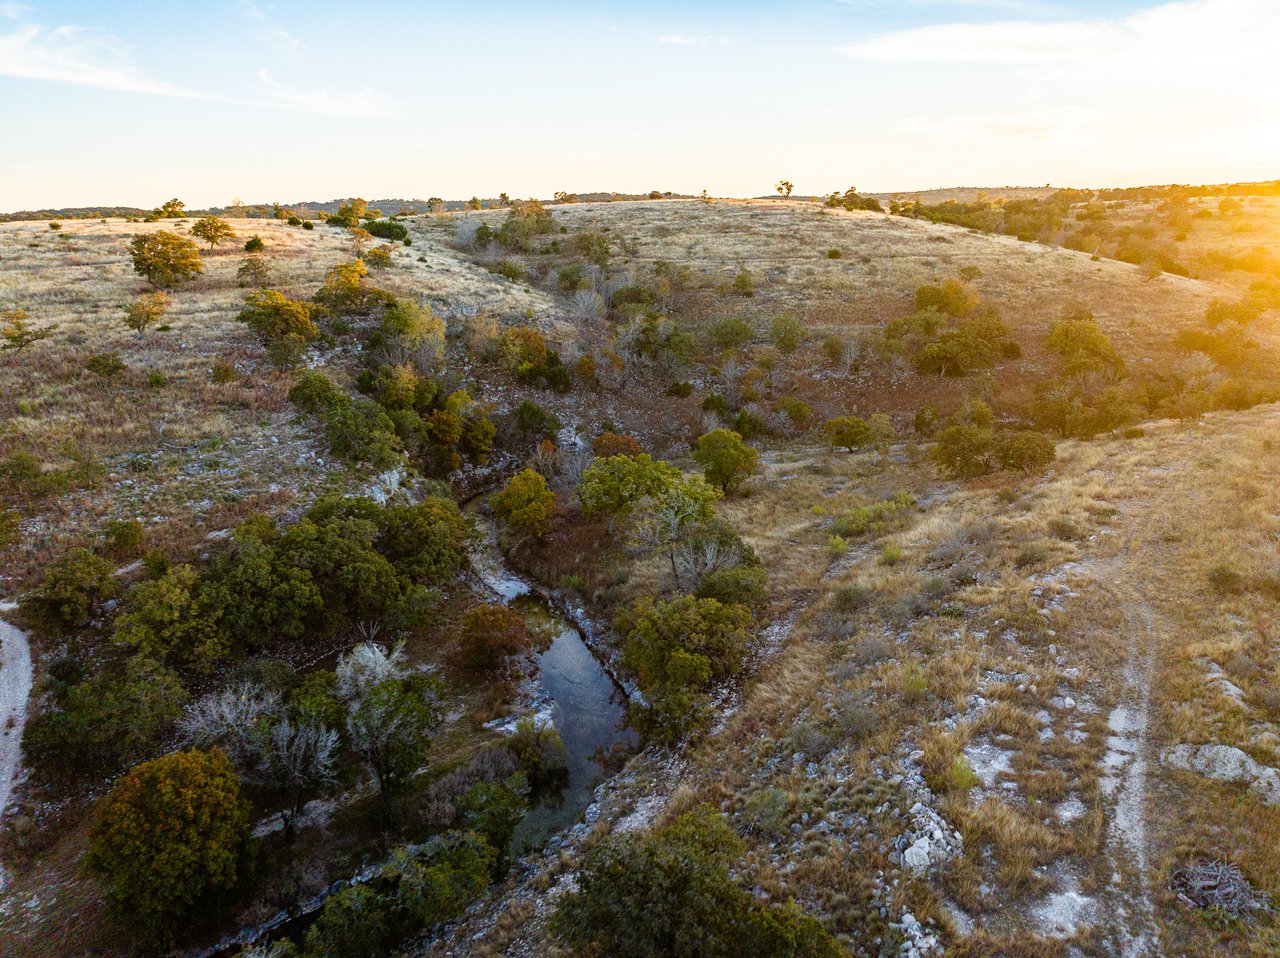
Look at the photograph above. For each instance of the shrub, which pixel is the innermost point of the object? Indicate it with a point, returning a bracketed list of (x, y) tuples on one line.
[(848, 432), (876, 518), (744, 283), (963, 450), (145, 310), (1225, 580), (362, 433), (106, 365), (731, 332), (164, 258), (124, 538), (99, 724), (787, 333), (387, 229), (525, 503), (1025, 451), (744, 584), (677, 649), (834, 253), (668, 891), (308, 225), (492, 635), (254, 244), (316, 393), (223, 373), (615, 444), (541, 753), (952, 296), (169, 841), (726, 460), (355, 922), (532, 422), (273, 316), (379, 257), (74, 585)]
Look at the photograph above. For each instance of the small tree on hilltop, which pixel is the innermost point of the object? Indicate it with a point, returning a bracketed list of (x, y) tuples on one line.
[(165, 259), (18, 333), (726, 460), (784, 188), (145, 310), (212, 230), (169, 841), (526, 504)]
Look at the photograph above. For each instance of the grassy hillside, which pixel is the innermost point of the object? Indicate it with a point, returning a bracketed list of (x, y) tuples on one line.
[(973, 690)]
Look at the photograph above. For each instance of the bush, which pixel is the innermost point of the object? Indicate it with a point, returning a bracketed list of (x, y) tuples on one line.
[(254, 244), (848, 432), (355, 922), (525, 503), (731, 332), (164, 258), (668, 892), (74, 585), (170, 841), (273, 315), (963, 450), (106, 365), (124, 538), (726, 460), (223, 373), (387, 229), (532, 422), (875, 519), (379, 257), (316, 393), (744, 584), (677, 649), (744, 283), (362, 433), (540, 752), (952, 296), (105, 722), (492, 635), (615, 444), (1025, 451)]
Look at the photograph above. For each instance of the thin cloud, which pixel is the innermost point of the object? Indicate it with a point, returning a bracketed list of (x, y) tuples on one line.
[(361, 103), (1174, 34), (87, 57), (1035, 125)]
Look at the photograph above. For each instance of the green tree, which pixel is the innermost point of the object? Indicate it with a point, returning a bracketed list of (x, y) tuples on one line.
[(525, 503), (676, 650), (253, 272), (882, 433), (18, 333), (668, 892), (963, 449), (615, 484), (169, 616), (146, 310), (787, 332), (169, 842), (848, 432), (212, 230), (273, 316), (165, 259), (254, 244), (355, 922), (104, 722), (437, 883), (1025, 451), (74, 586), (726, 460)]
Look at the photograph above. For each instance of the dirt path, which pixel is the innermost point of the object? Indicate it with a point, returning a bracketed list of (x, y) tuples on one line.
[(15, 686), (1124, 784)]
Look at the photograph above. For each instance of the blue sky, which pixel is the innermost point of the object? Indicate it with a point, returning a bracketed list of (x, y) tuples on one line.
[(131, 103)]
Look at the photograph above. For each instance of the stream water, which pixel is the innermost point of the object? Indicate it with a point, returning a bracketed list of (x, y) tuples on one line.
[(575, 694)]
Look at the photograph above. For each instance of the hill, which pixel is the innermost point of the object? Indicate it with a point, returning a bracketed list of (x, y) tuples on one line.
[(991, 571)]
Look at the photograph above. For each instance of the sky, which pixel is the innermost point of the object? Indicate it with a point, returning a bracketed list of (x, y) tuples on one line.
[(131, 103)]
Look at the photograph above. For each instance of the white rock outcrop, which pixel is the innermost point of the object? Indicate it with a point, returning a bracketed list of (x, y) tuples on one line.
[(1226, 763)]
